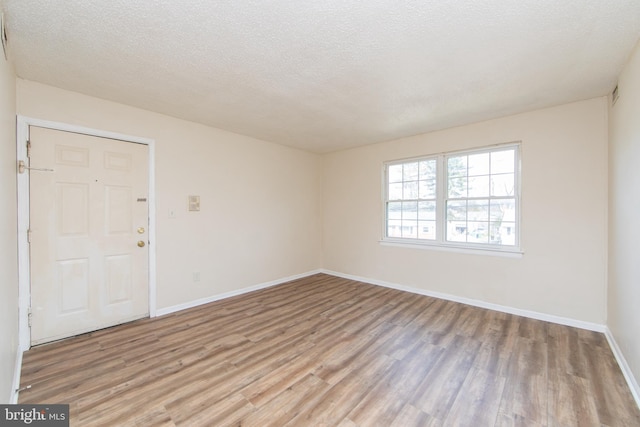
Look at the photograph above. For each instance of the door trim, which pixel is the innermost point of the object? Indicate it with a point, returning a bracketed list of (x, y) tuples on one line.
[(24, 279)]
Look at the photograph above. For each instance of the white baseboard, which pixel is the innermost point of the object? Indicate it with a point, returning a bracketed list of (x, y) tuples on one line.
[(477, 303), (624, 366), (16, 378), (206, 300)]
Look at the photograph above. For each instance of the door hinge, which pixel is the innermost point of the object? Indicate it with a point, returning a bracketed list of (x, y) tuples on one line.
[(29, 235), (29, 316), (28, 148)]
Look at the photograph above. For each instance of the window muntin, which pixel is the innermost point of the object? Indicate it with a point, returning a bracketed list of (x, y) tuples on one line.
[(468, 199)]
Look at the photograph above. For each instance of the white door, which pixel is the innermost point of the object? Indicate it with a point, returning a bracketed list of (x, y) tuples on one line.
[(88, 232)]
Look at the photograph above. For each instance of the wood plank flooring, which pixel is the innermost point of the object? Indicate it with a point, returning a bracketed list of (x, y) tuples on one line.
[(325, 351)]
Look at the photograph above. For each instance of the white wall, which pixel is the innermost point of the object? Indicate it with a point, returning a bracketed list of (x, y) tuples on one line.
[(624, 215), (260, 202), (8, 228), (564, 215)]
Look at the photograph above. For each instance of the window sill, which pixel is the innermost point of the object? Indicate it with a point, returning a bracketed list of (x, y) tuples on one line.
[(452, 248)]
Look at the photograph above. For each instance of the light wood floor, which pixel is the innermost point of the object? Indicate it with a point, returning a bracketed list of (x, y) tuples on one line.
[(324, 351)]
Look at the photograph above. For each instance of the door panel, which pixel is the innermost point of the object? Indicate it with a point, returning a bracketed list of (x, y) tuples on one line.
[(73, 279), (86, 218)]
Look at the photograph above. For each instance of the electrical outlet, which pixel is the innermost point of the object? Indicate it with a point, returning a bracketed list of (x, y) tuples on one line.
[(172, 213), (196, 276)]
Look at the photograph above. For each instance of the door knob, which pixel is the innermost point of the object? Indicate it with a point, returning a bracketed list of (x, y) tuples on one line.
[(140, 244)]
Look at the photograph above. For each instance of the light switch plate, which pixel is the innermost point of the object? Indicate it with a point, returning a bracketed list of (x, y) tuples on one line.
[(194, 203)]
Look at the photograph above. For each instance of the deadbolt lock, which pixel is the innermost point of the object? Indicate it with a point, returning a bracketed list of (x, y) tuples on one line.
[(140, 230), (140, 244)]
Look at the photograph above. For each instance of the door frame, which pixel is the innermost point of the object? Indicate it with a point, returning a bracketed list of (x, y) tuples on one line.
[(24, 263)]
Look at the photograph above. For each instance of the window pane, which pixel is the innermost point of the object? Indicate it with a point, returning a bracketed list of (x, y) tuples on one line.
[(395, 191), (457, 187), (457, 231), (428, 169), (479, 186), (395, 173), (410, 210), (457, 166), (502, 185), (503, 233), (410, 190), (478, 210), (427, 210), (503, 210), (478, 164), (394, 228), (394, 210), (427, 230), (457, 211), (410, 229), (410, 172), (503, 161), (427, 189), (478, 232)]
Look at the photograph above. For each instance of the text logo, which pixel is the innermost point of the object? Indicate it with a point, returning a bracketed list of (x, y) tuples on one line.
[(34, 415)]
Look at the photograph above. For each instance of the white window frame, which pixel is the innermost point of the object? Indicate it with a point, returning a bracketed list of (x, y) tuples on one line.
[(440, 242)]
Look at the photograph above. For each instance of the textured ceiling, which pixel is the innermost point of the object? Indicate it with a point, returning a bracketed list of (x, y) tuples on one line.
[(326, 75)]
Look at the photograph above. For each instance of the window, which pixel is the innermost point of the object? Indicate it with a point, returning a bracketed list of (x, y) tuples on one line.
[(411, 204), (463, 199)]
